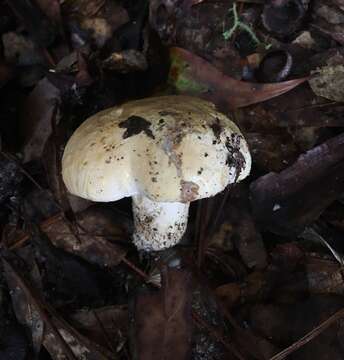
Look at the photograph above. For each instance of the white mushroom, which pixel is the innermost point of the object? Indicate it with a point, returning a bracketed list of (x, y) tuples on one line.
[(164, 152)]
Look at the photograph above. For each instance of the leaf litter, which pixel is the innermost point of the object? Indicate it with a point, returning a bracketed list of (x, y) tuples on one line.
[(250, 279)]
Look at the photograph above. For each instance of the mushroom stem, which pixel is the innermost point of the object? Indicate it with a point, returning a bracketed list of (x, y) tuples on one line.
[(158, 225)]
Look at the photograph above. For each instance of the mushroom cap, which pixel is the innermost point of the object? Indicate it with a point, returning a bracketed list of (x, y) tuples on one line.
[(169, 148)]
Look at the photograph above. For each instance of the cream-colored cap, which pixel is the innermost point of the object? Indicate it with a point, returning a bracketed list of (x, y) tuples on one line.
[(169, 149)]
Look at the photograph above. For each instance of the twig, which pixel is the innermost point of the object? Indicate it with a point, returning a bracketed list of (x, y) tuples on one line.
[(309, 336), (139, 272), (238, 24)]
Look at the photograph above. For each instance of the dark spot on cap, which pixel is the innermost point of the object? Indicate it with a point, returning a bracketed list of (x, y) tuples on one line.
[(206, 154), (154, 179), (167, 112), (135, 125), (217, 128), (235, 158)]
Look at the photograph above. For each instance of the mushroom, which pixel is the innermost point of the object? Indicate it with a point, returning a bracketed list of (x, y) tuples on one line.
[(164, 152)]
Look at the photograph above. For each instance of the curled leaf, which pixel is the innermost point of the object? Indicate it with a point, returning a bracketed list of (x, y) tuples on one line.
[(193, 75)]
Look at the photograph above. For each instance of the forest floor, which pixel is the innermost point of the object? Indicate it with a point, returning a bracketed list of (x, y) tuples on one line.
[(258, 273)]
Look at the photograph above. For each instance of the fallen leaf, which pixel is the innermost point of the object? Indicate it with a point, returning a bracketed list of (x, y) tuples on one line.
[(60, 339), (6, 73), (37, 115), (95, 226), (26, 313), (51, 9), (20, 50), (328, 82), (35, 21), (163, 319), (286, 202), (126, 61), (83, 8), (193, 75), (52, 159), (103, 324)]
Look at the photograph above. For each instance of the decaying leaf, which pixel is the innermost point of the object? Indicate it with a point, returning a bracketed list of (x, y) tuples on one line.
[(163, 319), (20, 50), (126, 61), (26, 313), (285, 203), (95, 228), (35, 21), (324, 276), (235, 228), (328, 18), (98, 18), (255, 286), (37, 118), (51, 8), (5, 73), (288, 323), (193, 75), (51, 159), (107, 325), (60, 339), (328, 82)]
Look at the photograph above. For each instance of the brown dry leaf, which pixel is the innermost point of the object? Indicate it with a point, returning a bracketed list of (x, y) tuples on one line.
[(162, 318), (6, 73), (193, 75), (328, 82), (103, 324), (229, 294), (101, 17), (328, 18), (61, 340), (288, 323), (126, 61), (37, 115), (84, 8), (254, 287), (324, 276), (25, 312), (95, 226), (20, 50), (271, 152), (286, 202), (51, 159), (51, 9), (35, 21)]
